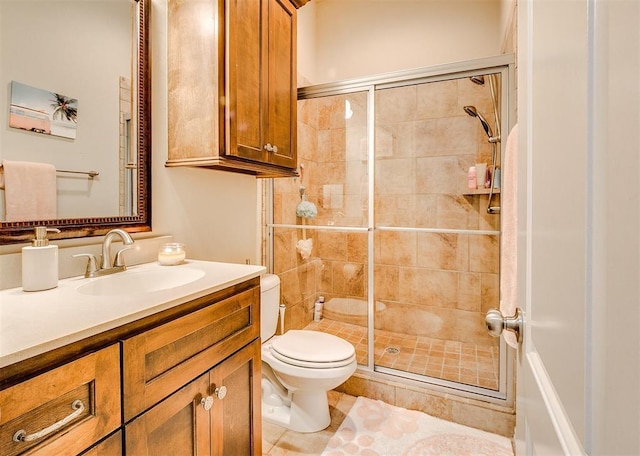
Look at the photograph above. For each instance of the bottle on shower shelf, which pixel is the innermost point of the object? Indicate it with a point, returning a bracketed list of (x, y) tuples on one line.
[(317, 309)]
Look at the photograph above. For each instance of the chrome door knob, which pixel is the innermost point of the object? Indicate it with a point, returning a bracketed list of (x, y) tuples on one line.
[(497, 323)]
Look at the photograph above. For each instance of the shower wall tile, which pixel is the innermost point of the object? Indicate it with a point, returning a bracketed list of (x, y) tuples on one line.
[(396, 105), (357, 143), (426, 211), (428, 287), (483, 253), (397, 210), (457, 135), (470, 291), (455, 211), (324, 275), (437, 100), (386, 283), (443, 251), (395, 140), (426, 142), (397, 248), (284, 250), (331, 112), (349, 279), (357, 247), (331, 245), (442, 175), (308, 113), (490, 292), (471, 328), (395, 176)]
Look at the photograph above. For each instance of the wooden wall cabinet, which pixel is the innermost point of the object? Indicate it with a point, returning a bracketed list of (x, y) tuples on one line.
[(232, 85)]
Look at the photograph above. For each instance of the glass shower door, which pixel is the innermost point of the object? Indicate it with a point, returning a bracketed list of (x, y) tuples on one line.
[(323, 249), (436, 261)]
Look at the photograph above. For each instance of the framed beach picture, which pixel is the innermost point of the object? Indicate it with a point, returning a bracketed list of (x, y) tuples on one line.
[(41, 111)]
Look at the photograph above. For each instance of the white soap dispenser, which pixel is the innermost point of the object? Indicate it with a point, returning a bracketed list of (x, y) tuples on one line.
[(40, 262)]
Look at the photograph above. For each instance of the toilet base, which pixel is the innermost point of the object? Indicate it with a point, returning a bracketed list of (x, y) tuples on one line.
[(308, 412)]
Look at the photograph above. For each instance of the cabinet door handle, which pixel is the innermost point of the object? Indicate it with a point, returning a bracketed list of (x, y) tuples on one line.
[(269, 148), (207, 402), (220, 392), (22, 436)]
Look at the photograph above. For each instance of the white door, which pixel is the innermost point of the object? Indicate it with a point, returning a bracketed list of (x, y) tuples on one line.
[(578, 389)]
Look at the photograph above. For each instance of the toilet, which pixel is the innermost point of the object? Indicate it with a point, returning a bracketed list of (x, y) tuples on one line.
[(298, 367)]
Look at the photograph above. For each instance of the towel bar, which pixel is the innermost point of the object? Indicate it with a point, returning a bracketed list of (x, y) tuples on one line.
[(90, 174)]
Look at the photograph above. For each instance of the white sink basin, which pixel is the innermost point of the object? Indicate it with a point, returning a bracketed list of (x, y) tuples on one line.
[(141, 281)]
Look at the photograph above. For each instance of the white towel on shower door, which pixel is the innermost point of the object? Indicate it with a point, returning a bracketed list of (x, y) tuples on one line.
[(509, 248)]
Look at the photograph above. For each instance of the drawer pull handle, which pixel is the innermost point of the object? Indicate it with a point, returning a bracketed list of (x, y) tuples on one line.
[(22, 436)]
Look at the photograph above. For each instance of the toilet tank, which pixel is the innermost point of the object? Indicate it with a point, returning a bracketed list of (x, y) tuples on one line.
[(269, 305)]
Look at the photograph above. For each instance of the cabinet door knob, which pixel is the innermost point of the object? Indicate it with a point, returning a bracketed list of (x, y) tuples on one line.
[(269, 148), (207, 402), (221, 392)]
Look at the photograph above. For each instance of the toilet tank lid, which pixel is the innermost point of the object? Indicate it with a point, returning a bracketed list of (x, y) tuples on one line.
[(268, 281)]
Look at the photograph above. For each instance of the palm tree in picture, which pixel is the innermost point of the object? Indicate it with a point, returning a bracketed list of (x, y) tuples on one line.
[(65, 108)]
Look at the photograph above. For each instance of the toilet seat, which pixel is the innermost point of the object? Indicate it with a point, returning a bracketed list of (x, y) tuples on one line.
[(312, 349)]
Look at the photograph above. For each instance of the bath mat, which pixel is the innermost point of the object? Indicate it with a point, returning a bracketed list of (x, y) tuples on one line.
[(375, 428)]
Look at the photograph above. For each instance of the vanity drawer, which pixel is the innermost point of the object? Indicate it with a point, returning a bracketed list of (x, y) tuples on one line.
[(163, 359), (47, 411)]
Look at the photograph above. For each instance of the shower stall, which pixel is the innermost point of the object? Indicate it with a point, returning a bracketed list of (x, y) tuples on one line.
[(404, 252)]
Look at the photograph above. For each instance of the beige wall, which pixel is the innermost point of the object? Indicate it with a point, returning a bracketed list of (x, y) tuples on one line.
[(356, 38), (213, 212)]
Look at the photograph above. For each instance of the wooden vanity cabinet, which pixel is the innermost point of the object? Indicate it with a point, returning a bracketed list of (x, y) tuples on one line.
[(185, 380), (232, 95), (192, 385), (43, 407), (215, 414)]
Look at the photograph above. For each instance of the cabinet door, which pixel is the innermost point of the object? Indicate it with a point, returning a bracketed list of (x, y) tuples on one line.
[(282, 108), (262, 81), (179, 425), (247, 75), (236, 427)]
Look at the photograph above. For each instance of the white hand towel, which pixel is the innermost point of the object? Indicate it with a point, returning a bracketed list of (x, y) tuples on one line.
[(509, 248), (30, 191)]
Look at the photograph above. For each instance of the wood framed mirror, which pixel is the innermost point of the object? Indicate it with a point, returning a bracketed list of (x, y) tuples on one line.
[(134, 214)]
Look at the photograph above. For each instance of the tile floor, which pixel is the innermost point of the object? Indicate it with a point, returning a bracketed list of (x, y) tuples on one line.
[(278, 441), (466, 363)]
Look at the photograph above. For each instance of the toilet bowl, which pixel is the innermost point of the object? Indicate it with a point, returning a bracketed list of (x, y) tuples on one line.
[(298, 368)]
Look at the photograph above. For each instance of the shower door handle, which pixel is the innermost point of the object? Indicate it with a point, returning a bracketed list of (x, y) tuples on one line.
[(497, 323)]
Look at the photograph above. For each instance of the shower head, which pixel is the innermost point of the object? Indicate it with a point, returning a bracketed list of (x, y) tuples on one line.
[(477, 79), (473, 112)]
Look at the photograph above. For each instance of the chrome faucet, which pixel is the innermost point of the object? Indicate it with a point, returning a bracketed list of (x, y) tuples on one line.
[(106, 266), (106, 249)]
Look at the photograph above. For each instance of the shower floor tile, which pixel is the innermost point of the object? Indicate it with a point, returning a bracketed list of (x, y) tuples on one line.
[(467, 363)]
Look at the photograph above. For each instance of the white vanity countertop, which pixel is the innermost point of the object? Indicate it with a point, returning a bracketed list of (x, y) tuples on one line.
[(32, 323)]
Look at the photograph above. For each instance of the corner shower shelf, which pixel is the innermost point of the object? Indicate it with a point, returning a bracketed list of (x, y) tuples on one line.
[(480, 191)]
